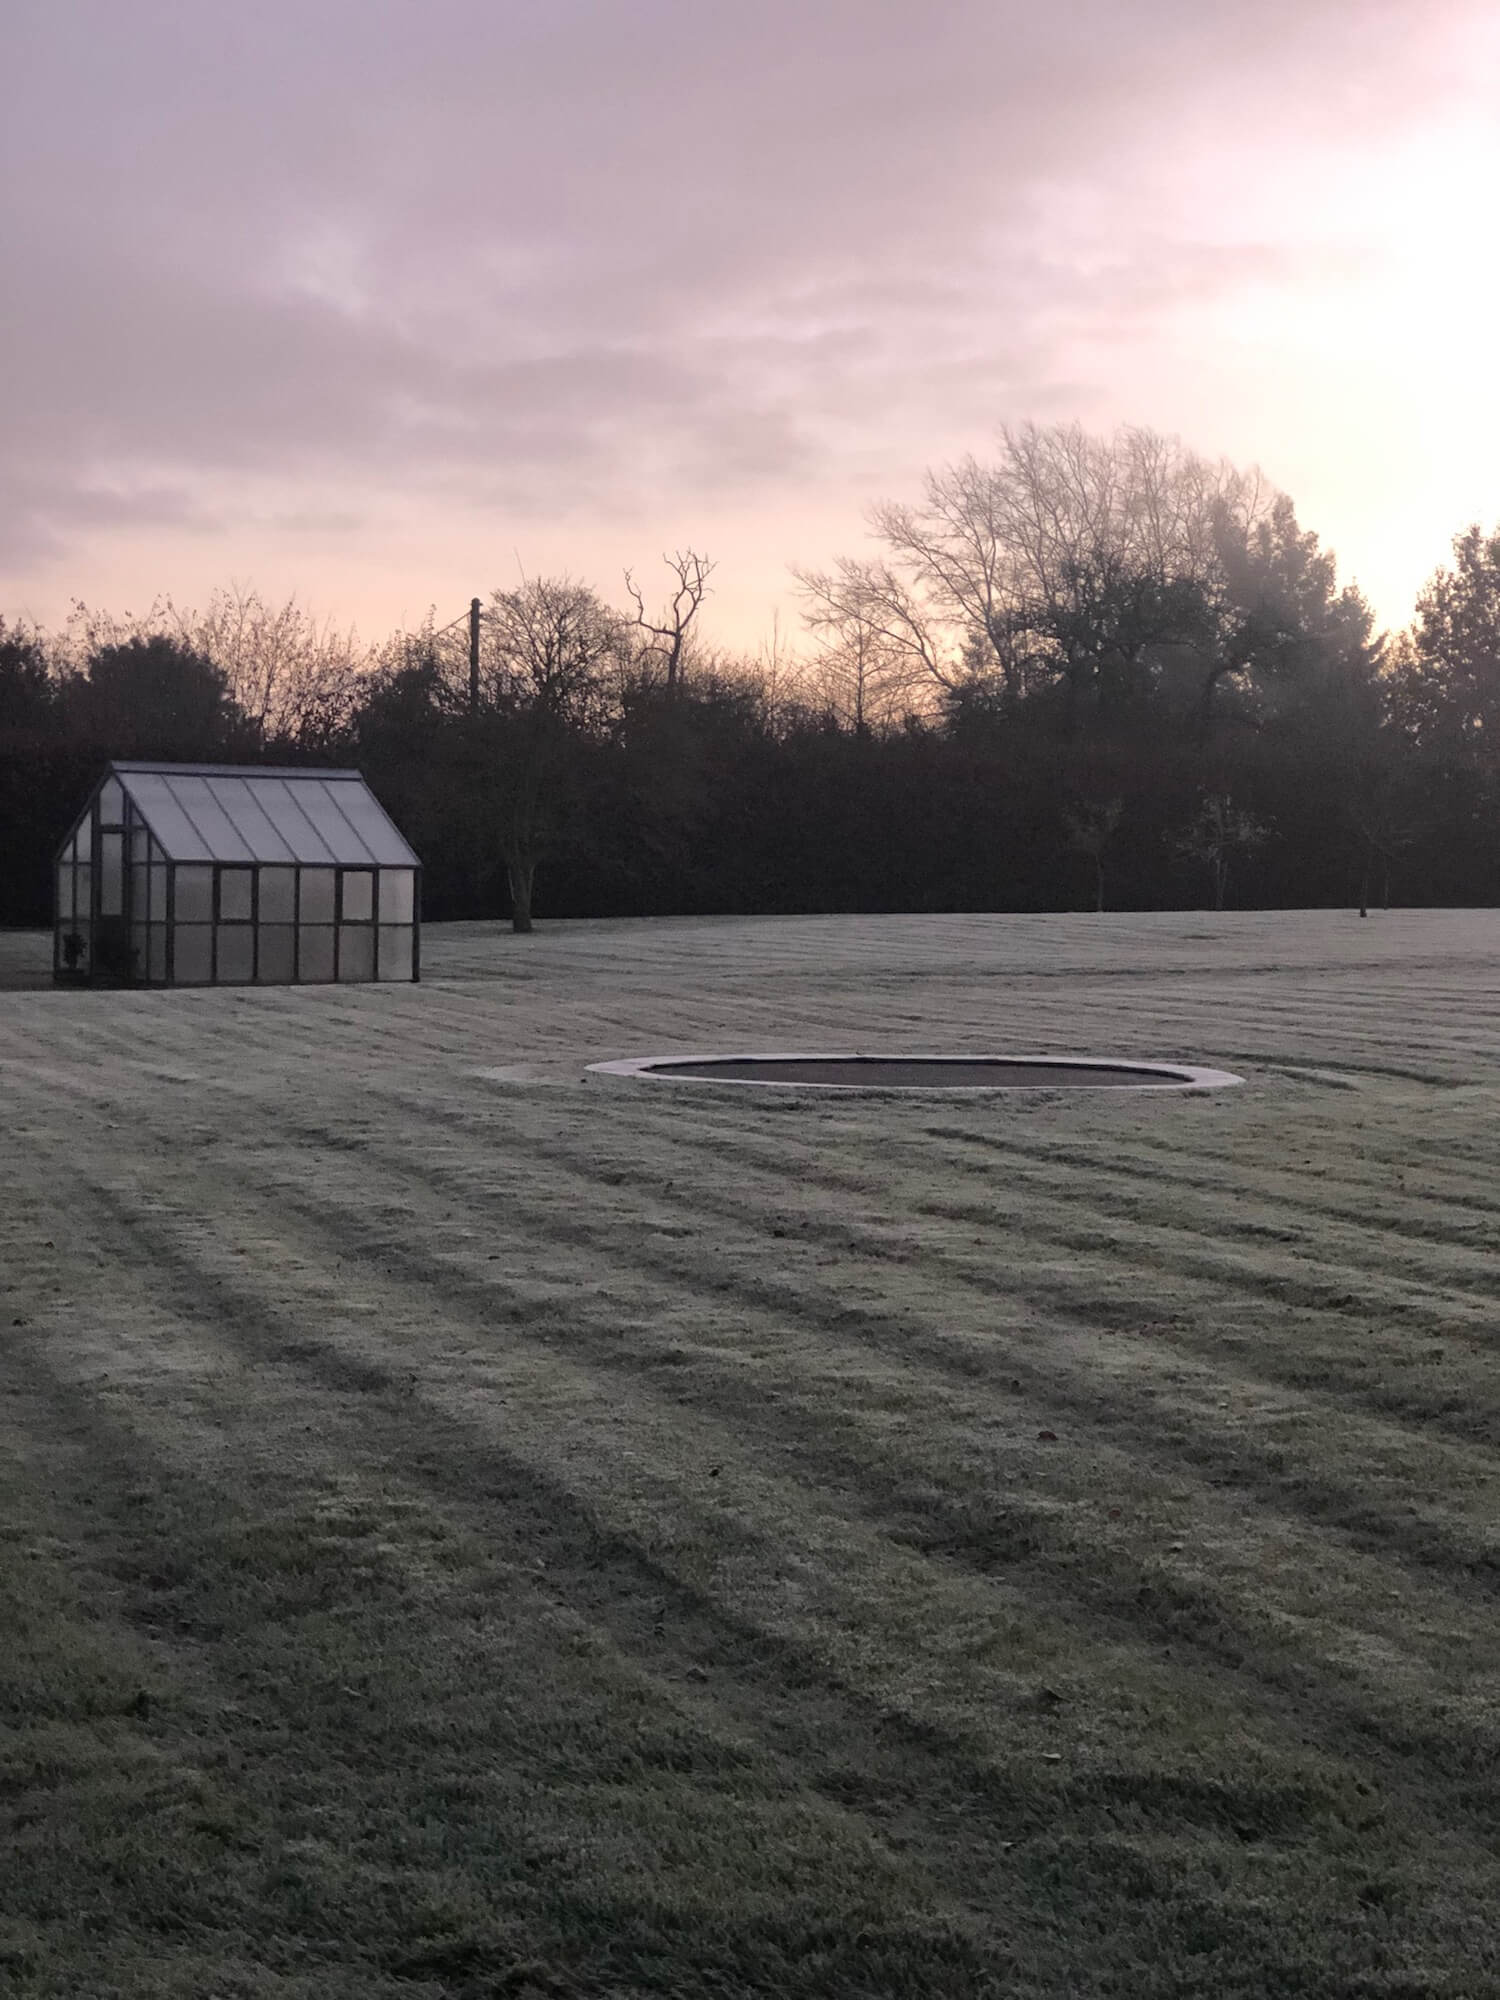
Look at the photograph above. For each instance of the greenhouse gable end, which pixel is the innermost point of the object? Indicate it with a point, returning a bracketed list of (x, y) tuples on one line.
[(228, 875)]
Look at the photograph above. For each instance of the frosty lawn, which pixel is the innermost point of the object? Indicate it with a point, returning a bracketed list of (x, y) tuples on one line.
[(474, 1529)]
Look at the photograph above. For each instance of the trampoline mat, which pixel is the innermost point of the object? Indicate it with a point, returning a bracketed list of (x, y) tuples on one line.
[(937, 1073)]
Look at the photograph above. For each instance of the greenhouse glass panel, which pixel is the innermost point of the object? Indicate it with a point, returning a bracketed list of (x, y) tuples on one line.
[(111, 802), (279, 799), (140, 951), (315, 952), (241, 804), (356, 951), (235, 964), (382, 843), (111, 874), (236, 888), (343, 843), (317, 896), (84, 836), (156, 953), (397, 895), (158, 894), (140, 890), (195, 895), (192, 954), (178, 836), (277, 957), (278, 895), (357, 895), (210, 819), (395, 951), (65, 894)]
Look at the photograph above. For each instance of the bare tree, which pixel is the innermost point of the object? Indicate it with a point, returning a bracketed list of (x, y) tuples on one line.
[(298, 681), (1035, 566), (877, 600), (956, 557), (666, 641), (863, 673), (772, 677)]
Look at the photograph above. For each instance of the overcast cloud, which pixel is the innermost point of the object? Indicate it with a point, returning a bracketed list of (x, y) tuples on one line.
[(371, 298)]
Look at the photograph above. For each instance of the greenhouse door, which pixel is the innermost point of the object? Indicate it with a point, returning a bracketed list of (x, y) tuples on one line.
[(113, 953)]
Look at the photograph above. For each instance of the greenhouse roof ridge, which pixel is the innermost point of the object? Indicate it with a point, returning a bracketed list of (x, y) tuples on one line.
[(170, 769)]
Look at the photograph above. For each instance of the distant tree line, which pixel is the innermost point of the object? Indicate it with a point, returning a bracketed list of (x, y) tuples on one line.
[(1085, 673)]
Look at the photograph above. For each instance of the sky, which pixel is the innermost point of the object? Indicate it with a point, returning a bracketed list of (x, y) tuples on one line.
[(389, 302)]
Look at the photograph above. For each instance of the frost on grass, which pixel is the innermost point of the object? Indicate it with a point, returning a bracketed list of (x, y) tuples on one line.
[(487, 1529)]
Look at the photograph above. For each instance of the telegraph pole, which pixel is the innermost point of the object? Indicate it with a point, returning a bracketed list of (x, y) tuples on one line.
[(473, 656)]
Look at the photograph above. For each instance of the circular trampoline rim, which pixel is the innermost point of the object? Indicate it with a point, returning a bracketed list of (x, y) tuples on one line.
[(1163, 1075)]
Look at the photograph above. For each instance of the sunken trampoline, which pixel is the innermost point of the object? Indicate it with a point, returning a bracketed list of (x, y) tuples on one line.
[(828, 1071)]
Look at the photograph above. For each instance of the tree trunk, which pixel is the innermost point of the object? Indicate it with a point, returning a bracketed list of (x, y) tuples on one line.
[(520, 870), (1221, 880), (476, 870), (1099, 886)]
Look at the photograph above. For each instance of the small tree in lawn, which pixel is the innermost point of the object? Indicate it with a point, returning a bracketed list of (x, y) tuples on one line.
[(1221, 830), (1091, 828), (1383, 810)]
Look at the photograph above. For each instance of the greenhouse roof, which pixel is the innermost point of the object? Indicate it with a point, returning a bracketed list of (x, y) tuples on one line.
[(235, 812)]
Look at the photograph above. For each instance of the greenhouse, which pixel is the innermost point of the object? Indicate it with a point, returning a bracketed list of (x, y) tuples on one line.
[(228, 875)]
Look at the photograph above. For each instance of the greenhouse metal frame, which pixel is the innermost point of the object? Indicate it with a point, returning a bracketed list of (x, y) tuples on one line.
[(231, 875)]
